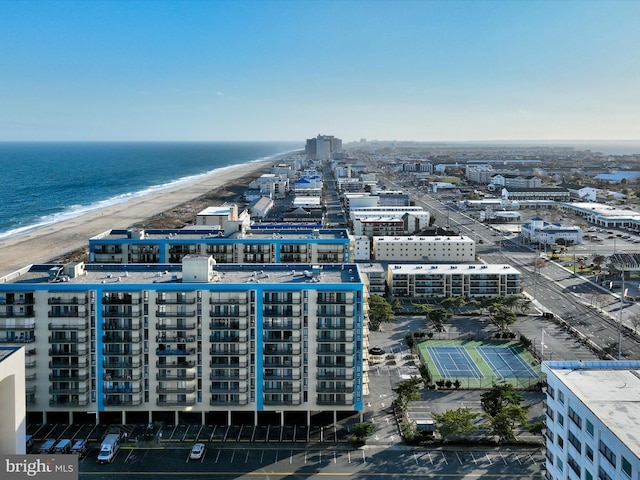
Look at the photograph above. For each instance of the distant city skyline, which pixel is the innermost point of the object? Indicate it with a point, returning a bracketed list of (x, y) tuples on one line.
[(284, 70)]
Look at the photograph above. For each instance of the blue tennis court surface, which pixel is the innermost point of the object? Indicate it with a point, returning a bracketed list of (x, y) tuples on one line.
[(454, 362), (506, 362)]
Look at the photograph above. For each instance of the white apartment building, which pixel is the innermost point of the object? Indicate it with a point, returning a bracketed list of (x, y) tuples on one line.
[(459, 280), (271, 185), (592, 409), (450, 249), (362, 248), (225, 343)]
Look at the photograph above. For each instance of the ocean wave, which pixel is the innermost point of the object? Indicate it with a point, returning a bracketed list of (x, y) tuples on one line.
[(77, 210)]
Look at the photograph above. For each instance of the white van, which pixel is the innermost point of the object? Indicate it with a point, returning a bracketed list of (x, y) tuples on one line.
[(63, 446)]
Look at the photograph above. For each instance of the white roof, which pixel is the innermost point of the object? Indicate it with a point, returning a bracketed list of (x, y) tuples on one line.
[(458, 268), (420, 239)]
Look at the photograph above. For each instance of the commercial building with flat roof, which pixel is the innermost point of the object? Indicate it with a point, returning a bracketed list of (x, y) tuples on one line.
[(592, 414), (226, 343), (453, 280)]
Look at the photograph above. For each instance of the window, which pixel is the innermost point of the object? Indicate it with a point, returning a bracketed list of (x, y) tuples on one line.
[(560, 441), (549, 413), (587, 475), (574, 465), (573, 440), (590, 428), (626, 467), (602, 475), (575, 418), (561, 397), (588, 452), (560, 419), (551, 392), (607, 453)]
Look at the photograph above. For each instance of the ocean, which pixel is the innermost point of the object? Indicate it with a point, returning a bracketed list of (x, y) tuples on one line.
[(42, 183)]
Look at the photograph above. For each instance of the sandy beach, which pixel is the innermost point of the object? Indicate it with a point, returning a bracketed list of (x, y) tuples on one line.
[(54, 241)]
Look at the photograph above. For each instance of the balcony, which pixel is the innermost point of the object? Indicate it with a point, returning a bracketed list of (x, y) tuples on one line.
[(178, 326), (334, 389), (229, 389), (68, 326), (322, 325), (335, 350), (11, 300), (228, 325), (176, 351), (67, 301), (174, 364), (80, 389), (117, 338), (189, 389), (347, 363), (68, 353), (184, 377), (335, 339), (224, 362), (282, 402), (284, 389), (175, 339), (30, 390), (289, 339), (121, 313), (19, 326), (334, 313), (121, 377), (280, 313), (226, 338), (175, 301), (67, 313), (222, 400), (214, 313), (117, 363), (334, 376), (176, 403), (108, 352), (275, 362), (80, 377), (228, 376), (68, 403), (228, 301), (335, 402), (181, 314), (234, 349), (115, 325), (28, 314), (290, 325), (281, 376), (30, 378), (323, 300), (115, 401), (279, 349), (121, 300), (56, 340), (122, 389)]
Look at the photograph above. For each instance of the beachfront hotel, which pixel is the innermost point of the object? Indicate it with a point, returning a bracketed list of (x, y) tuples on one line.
[(591, 408), (217, 343), (229, 245), (453, 280)]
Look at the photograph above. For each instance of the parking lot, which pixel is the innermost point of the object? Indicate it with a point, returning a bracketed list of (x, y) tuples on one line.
[(279, 461)]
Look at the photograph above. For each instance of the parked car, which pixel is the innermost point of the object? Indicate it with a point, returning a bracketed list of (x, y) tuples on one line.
[(197, 451)]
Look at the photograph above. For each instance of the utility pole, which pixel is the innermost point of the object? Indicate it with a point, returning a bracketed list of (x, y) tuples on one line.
[(620, 317)]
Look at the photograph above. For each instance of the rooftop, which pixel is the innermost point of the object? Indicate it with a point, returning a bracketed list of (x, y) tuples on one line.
[(418, 239), (458, 268), (100, 274), (610, 390)]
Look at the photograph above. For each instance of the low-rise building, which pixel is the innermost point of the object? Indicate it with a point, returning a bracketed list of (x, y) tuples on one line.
[(12, 398), (453, 280), (450, 249), (539, 231)]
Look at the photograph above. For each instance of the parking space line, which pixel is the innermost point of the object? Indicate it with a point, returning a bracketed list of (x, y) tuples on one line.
[(504, 459), (261, 457), (246, 459), (233, 454), (532, 459), (305, 456), (474, 458), (290, 457), (430, 459), (349, 455), (444, 458), (459, 459), (334, 457), (488, 458), (130, 453), (364, 459), (320, 456), (517, 458), (415, 457), (218, 455)]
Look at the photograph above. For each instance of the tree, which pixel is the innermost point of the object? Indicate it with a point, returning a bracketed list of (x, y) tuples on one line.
[(363, 430), (438, 316), (379, 311), (635, 321), (502, 395), (453, 303), (456, 423), (396, 306), (502, 316), (504, 409), (409, 389), (524, 305)]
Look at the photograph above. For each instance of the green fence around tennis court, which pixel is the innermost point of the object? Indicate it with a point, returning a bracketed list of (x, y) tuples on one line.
[(488, 378)]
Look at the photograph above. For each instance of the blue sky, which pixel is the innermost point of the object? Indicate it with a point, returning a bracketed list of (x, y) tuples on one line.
[(273, 70)]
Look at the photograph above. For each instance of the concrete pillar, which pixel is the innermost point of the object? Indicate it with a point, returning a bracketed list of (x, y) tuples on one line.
[(228, 417), (124, 418), (255, 417), (175, 417), (308, 419), (335, 418)]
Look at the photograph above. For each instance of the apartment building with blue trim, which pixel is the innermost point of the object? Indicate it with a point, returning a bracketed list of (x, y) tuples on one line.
[(226, 343)]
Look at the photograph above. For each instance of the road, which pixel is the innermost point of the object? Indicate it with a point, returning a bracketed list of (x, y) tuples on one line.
[(588, 308)]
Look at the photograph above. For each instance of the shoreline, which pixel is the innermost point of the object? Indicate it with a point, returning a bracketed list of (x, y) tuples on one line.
[(43, 244)]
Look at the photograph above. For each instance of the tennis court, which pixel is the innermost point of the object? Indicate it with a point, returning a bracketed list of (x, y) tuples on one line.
[(480, 364), (454, 362), (506, 362)]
